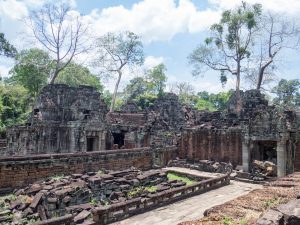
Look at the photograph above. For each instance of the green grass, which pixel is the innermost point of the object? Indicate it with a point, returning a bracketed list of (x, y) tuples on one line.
[(57, 177), (139, 190), (172, 176), (3, 204), (272, 202)]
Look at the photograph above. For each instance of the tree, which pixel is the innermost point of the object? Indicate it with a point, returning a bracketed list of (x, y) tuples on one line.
[(184, 90), (6, 49), (275, 34), (114, 52), (59, 32), (75, 75), (229, 46), (157, 79), (13, 105), (288, 94), (31, 70)]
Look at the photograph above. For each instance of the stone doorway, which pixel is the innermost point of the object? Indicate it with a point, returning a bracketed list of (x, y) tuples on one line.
[(265, 151), (90, 144), (119, 139)]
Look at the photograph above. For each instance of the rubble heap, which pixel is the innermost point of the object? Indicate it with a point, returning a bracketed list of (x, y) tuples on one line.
[(78, 194)]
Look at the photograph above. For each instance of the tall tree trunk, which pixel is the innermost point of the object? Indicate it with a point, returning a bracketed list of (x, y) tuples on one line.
[(112, 105), (56, 72), (237, 90)]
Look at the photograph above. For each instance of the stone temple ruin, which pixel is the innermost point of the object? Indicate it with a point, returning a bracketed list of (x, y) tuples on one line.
[(70, 131)]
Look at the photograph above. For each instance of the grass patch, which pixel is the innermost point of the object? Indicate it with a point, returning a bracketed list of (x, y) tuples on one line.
[(230, 221), (139, 190), (272, 202), (5, 205), (173, 176), (57, 177)]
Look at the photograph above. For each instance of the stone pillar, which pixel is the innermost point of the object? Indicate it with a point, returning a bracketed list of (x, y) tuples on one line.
[(245, 155), (281, 157), (72, 140)]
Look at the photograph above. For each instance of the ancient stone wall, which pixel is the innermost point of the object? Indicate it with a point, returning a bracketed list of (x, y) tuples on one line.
[(19, 171), (215, 145), (297, 158)]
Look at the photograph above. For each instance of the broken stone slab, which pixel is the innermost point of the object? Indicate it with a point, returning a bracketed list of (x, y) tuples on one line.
[(52, 200), (271, 217), (41, 212), (33, 189), (76, 175), (36, 200), (81, 216)]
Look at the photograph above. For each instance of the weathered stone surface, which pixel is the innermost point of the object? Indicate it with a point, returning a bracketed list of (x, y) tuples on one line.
[(286, 214), (81, 216)]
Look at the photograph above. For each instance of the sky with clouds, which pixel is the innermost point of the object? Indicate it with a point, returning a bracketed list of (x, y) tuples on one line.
[(170, 30)]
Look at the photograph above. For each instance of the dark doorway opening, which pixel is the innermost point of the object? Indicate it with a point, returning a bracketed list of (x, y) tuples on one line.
[(35, 112), (119, 139), (266, 151), (90, 144)]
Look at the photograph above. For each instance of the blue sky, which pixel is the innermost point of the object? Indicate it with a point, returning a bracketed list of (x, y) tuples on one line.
[(170, 30)]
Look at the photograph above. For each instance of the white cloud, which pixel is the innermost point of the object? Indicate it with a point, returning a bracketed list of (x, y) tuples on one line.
[(13, 9), (151, 61), (4, 71), (154, 20)]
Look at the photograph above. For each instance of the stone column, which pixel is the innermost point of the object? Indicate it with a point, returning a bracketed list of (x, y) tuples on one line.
[(281, 157), (72, 140), (245, 155)]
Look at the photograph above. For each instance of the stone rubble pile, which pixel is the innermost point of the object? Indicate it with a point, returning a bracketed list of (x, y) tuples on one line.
[(77, 194), (263, 169)]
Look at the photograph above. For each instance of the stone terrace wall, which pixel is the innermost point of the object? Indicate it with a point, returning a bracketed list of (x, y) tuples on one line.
[(212, 144), (20, 171)]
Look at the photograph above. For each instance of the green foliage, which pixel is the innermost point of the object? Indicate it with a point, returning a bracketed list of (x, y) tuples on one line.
[(14, 100), (156, 79), (174, 176), (228, 221), (272, 202), (143, 91), (213, 102), (135, 192), (6, 49), (57, 177), (94, 202), (151, 189), (32, 70), (75, 75), (287, 94), (205, 105), (3, 201)]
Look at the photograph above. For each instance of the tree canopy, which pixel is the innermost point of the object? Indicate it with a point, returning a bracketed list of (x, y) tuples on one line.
[(6, 49), (114, 52), (229, 45)]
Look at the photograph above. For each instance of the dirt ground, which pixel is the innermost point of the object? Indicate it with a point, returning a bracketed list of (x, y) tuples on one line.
[(245, 210)]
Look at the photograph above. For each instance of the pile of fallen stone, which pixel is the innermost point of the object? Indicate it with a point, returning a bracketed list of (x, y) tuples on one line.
[(263, 169), (77, 194), (203, 165)]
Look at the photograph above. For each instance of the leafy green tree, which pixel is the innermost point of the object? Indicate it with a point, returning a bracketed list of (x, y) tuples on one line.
[(157, 79), (75, 75), (229, 45), (185, 92), (6, 49), (287, 94), (32, 70), (14, 101), (114, 52), (205, 105)]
